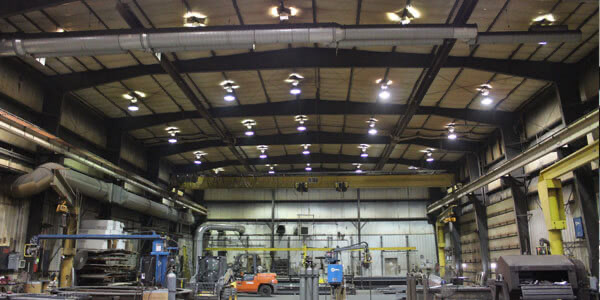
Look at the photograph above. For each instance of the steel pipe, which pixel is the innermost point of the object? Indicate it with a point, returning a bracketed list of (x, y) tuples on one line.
[(574, 131)]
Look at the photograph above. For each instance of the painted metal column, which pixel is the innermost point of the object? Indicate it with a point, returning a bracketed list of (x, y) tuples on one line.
[(551, 199), (407, 257), (519, 196), (358, 228), (455, 238), (441, 245), (272, 253), (482, 232), (585, 198), (381, 255)]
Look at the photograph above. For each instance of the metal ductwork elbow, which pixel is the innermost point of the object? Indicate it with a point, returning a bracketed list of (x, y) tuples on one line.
[(202, 229)]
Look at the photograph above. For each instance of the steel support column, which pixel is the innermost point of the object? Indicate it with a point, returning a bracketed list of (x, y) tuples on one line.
[(51, 111), (482, 233), (519, 196)]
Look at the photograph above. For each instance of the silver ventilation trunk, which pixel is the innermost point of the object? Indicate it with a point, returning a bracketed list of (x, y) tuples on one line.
[(193, 39), (41, 178), (202, 229)]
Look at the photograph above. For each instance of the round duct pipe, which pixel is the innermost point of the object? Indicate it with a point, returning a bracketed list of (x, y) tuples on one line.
[(199, 237), (40, 179)]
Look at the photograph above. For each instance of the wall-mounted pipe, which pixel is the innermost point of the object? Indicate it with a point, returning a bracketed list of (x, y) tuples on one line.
[(57, 145), (202, 229), (228, 37), (40, 179)]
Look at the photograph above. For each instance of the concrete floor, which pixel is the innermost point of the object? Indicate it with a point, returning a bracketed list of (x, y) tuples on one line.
[(362, 295)]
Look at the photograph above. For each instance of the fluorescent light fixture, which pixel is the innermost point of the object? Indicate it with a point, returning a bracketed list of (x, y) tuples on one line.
[(197, 162), (429, 159), (172, 140), (301, 128), (271, 171), (487, 101), (542, 43), (372, 131), (59, 29), (249, 124), (306, 152), (413, 168), (358, 171), (364, 154), (493, 265), (263, 150), (249, 133), (263, 156), (308, 168)]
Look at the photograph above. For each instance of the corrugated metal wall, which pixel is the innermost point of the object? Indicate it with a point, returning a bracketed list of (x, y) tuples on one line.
[(14, 216), (323, 235)]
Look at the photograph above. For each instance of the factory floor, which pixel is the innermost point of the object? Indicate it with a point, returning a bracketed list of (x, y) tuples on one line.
[(362, 295)]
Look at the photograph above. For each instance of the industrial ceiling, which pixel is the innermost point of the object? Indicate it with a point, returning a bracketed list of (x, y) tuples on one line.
[(431, 87)]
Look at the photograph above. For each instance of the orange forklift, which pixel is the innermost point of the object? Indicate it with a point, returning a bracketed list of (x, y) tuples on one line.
[(250, 278)]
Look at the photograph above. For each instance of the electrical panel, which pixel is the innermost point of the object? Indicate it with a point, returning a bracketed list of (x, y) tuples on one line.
[(335, 273), (13, 261), (578, 225)]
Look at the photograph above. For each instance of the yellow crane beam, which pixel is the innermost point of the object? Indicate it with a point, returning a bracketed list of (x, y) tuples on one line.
[(310, 249), (361, 181), (551, 196)]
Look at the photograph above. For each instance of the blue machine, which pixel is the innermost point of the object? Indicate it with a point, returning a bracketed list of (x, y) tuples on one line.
[(335, 274), (159, 247)]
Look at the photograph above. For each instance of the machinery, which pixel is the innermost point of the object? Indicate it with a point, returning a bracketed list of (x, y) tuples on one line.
[(540, 277), (214, 279), (251, 279), (335, 270), (154, 267)]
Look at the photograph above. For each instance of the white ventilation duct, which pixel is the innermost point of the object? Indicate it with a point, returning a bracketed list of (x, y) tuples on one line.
[(203, 229), (192, 39), (41, 178)]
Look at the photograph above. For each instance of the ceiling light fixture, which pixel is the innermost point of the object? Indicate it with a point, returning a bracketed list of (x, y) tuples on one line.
[(413, 168), (358, 165), (306, 151), (194, 19), (271, 168), (484, 89), (294, 80), (547, 18), (229, 86), (428, 154), (487, 101), (133, 106), (542, 43), (263, 151), (363, 148), (249, 124), (405, 15), (301, 119), (218, 170), (372, 129), (451, 132), (283, 13), (59, 29), (198, 157), (173, 133), (384, 93), (308, 167), (134, 98)]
